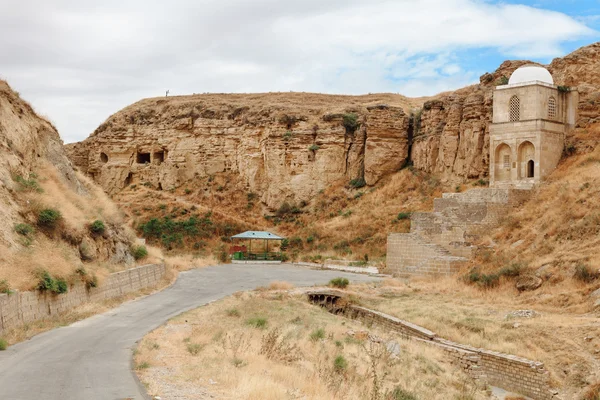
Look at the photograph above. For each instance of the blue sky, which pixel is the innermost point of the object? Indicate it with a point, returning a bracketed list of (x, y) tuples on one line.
[(79, 62)]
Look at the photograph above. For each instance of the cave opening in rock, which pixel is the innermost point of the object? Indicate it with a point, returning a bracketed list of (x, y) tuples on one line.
[(143, 158), (103, 158), (128, 179), (159, 157)]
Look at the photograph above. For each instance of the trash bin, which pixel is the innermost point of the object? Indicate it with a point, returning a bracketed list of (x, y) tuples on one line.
[(237, 255)]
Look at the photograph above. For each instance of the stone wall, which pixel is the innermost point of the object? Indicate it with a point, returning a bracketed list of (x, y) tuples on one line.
[(509, 372), (24, 307), (441, 241), (409, 254)]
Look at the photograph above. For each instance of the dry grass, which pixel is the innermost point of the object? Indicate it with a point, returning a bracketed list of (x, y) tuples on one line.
[(280, 285), (558, 228), (477, 317), (285, 359)]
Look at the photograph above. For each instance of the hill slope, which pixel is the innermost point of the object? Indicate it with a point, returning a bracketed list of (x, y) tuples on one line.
[(47, 207)]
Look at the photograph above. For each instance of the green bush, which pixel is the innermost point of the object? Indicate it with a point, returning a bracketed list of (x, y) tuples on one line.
[(49, 218), (313, 147), (403, 215), (50, 284), (503, 80), (340, 364), (341, 283), (97, 227), (583, 273), (358, 183), (512, 271), (194, 348), (3, 344), (317, 334), (233, 312), (257, 322), (400, 394), (139, 252), (5, 287), (24, 229), (350, 122), (486, 281), (30, 185)]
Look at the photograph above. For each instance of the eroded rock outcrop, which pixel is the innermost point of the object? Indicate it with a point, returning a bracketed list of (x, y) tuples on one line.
[(285, 147)]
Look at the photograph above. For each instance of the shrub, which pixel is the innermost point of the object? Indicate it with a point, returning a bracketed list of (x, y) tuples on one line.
[(143, 365), (317, 334), (30, 185), (339, 283), (3, 344), (139, 252), (48, 283), (563, 89), (24, 229), (233, 312), (481, 182), (340, 364), (400, 394), (503, 80), (97, 227), (257, 322), (49, 217), (583, 273), (5, 287), (350, 122), (287, 136), (313, 147), (512, 271), (486, 281), (403, 215), (194, 348), (358, 183)]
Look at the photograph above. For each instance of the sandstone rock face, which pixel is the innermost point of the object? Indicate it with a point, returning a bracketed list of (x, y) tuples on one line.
[(31, 146), (452, 137), (289, 146), (284, 149)]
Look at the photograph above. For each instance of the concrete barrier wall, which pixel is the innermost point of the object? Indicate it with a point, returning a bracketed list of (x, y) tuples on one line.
[(23, 307)]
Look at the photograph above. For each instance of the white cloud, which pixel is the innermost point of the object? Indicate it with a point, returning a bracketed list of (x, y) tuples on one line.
[(79, 62)]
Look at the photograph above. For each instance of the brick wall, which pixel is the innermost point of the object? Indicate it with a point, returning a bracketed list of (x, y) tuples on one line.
[(23, 307)]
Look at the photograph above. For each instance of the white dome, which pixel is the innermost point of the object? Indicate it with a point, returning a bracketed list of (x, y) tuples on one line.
[(530, 73)]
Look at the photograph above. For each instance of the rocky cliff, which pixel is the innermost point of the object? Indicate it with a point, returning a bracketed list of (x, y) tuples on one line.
[(36, 175), (290, 146), (286, 147)]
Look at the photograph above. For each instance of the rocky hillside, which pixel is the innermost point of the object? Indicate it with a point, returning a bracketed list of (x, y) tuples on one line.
[(290, 146), (47, 208), (286, 147)]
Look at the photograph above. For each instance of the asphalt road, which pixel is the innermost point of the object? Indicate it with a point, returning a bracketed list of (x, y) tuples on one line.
[(92, 359)]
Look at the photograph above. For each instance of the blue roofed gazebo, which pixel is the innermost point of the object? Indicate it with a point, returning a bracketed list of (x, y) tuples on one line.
[(254, 245)]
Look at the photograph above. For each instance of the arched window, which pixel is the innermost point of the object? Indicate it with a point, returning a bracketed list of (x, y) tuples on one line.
[(515, 109), (551, 108)]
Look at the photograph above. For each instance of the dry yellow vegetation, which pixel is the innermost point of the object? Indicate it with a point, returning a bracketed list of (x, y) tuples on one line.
[(274, 345), (563, 335)]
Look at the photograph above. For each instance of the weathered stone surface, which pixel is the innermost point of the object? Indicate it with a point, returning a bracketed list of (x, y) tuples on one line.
[(528, 282), (286, 151)]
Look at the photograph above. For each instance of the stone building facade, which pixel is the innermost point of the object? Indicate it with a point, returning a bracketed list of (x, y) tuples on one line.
[(531, 117)]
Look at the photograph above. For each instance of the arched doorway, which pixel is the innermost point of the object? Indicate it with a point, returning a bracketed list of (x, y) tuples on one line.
[(526, 160), (503, 162), (530, 165)]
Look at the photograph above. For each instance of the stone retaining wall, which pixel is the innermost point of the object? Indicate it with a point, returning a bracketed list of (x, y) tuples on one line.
[(512, 373), (23, 307)]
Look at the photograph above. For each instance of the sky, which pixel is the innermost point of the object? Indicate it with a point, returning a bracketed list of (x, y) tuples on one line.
[(78, 62)]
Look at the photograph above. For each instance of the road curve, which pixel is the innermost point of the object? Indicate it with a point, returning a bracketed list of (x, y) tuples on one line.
[(91, 359)]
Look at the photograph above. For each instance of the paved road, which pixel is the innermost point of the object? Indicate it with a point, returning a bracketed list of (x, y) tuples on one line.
[(91, 359)]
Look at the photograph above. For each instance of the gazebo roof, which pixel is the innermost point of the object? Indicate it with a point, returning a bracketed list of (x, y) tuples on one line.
[(257, 235)]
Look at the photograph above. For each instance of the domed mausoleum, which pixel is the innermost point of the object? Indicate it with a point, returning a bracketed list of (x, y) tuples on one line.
[(531, 117)]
